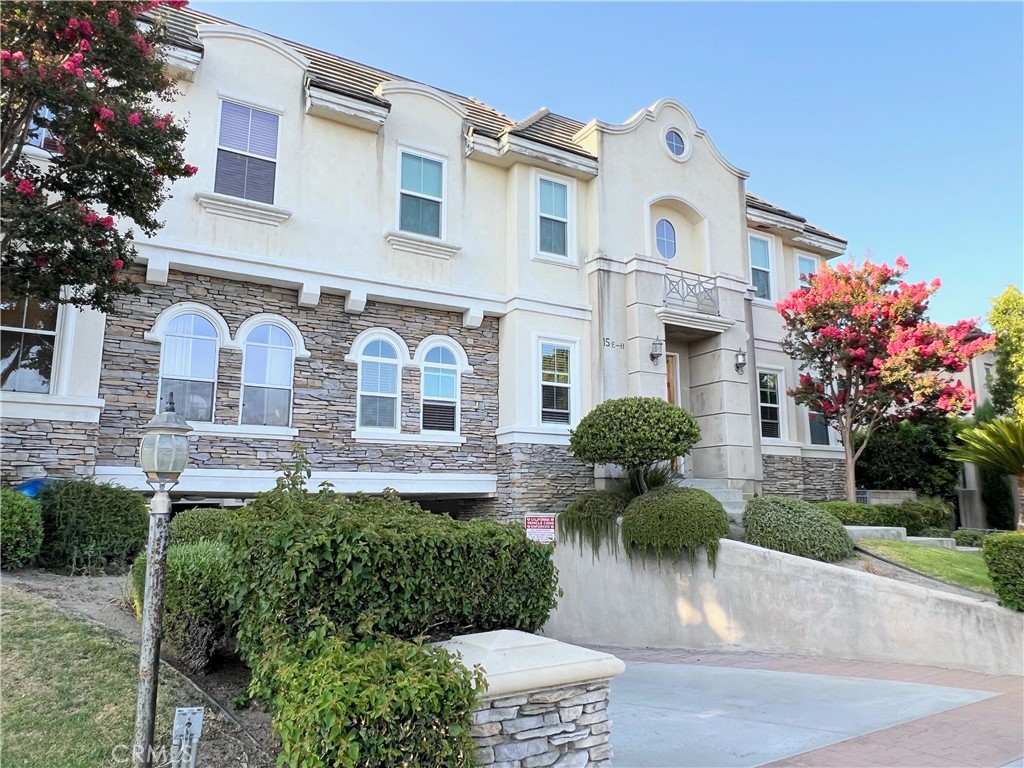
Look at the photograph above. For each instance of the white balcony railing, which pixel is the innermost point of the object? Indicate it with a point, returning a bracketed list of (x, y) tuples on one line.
[(690, 291)]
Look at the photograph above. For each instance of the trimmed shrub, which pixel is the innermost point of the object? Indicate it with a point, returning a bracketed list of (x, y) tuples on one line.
[(932, 512), (911, 456), (797, 527), (1004, 556), (591, 518), (378, 702), (673, 521), (89, 526), (195, 621), (655, 476), (200, 524), (969, 537), (21, 529), (887, 515), (937, 533)]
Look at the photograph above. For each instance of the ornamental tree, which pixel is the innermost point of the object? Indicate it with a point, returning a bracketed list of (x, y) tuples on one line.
[(870, 356), (82, 80), (1007, 320), (635, 433)]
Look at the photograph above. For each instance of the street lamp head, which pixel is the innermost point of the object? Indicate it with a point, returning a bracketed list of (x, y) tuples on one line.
[(163, 452)]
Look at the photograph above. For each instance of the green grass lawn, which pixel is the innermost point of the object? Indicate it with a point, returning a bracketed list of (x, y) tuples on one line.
[(69, 689), (965, 569)]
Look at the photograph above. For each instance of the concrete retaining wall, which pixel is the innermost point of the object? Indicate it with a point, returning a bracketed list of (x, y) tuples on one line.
[(766, 601)]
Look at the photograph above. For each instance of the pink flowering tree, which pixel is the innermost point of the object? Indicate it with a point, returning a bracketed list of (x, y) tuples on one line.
[(83, 82), (869, 355)]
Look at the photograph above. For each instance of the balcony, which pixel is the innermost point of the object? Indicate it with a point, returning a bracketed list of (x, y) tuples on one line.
[(691, 292)]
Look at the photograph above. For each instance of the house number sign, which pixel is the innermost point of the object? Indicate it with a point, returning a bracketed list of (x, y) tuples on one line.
[(613, 344)]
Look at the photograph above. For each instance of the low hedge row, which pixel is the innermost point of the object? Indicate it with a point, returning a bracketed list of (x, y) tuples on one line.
[(21, 529), (797, 527), (1004, 557), (200, 524), (672, 521), (915, 516)]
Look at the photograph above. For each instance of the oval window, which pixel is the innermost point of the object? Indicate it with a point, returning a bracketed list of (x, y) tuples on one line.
[(665, 238), (674, 142)]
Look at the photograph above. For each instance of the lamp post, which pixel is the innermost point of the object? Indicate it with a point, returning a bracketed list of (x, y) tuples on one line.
[(163, 454)]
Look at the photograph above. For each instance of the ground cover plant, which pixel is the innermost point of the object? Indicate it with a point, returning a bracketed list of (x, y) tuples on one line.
[(675, 521), (1004, 556), (21, 529), (966, 569), (796, 527), (591, 519)]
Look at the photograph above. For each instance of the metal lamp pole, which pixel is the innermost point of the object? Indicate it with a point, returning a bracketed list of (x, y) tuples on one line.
[(163, 454)]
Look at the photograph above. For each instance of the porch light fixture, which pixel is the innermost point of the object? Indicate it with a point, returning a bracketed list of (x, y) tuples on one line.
[(741, 361), (163, 454), (657, 350)]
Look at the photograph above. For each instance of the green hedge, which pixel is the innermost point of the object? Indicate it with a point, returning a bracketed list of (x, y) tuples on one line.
[(675, 520), (195, 622), (21, 529), (969, 537), (931, 512), (1004, 556), (200, 524), (379, 565), (376, 703), (937, 533), (591, 519), (91, 526), (887, 515), (797, 527)]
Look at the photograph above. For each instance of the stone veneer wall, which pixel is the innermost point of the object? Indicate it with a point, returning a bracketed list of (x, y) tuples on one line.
[(324, 401), (46, 448), (538, 478), (566, 727), (810, 479)]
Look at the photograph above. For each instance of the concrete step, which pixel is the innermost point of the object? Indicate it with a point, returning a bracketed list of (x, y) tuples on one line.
[(704, 485), (932, 541)]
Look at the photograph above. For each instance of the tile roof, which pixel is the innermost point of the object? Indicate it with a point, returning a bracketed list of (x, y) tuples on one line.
[(760, 204)]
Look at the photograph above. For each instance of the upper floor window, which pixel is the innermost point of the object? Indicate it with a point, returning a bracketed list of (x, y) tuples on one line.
[(421, 198), (39, 134), (440, 391), (188, 367), (761, 266), (247, 153), (806, 266), (771, 408), (665, 238), (553, 210), (674, 142), (28, 334), (819, 429), (555, 383), (267, 372), (379, 386)]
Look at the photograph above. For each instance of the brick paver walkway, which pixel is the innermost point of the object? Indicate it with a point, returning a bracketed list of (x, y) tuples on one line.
[(986, 734)]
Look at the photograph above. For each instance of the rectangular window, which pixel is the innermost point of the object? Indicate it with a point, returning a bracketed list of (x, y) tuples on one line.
[(806, 265), (771, 411), (819, 429), (422, 195), (555, 384), (553, 209), (40, 136), (28, 334), (761, 266), (246, 153), (440, 388)]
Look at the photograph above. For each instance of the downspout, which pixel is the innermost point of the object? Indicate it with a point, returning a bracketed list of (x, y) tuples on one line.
[(755, 402)]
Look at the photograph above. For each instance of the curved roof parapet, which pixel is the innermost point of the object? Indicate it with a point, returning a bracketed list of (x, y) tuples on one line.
[(389, 88), (232, 32)]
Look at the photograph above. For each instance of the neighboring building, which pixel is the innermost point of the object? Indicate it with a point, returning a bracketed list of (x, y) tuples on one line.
[(425, 295)]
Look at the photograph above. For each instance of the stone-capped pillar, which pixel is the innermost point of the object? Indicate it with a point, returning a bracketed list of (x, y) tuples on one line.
[(546, 702)]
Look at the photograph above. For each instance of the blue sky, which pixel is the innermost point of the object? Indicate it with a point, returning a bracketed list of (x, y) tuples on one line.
[(897, 125)]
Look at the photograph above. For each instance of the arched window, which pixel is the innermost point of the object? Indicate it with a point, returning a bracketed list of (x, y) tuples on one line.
[(379, 386), (665, 238), (188, 367), (267, 375), (440, 393)]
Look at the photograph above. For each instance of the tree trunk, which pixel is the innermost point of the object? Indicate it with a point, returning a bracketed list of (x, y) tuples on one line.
[(641, 481), (851, 470)]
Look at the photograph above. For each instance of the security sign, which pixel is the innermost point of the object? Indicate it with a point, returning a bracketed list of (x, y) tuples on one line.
[(540, 527)]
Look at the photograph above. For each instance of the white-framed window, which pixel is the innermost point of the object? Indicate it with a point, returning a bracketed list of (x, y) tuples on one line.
[(421, 194), (761, 266), (247, 153), (553, 223), (268, 367), (665, 238), (41, 136), (805, 265), (556, 374), (440, 390), (188, 367), (769, 396), (380, 386), (28, 337)]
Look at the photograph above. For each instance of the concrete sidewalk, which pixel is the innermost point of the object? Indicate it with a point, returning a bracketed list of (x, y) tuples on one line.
[(672, 709)]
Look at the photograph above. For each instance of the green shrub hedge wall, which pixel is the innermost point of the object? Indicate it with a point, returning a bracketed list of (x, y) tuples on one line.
[(200, 524), (797, 527), (591, 519), (89, 526), (21, 529), (1004, 556), (673, 521), (932, 512), (969, 537), (196, 622), (887, 515)]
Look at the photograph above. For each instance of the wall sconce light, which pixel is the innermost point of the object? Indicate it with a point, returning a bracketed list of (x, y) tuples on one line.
[(741, 361), (657, 350)]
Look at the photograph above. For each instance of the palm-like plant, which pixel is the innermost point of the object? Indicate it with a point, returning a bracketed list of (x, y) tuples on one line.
[(998, 445)]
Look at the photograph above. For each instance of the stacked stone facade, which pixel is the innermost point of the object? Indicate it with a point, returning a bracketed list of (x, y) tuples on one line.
[(37, 448), (538, 478), (565, 727), (811, 479)]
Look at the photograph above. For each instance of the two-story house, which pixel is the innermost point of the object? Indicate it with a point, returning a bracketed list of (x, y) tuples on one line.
[(424, 294)]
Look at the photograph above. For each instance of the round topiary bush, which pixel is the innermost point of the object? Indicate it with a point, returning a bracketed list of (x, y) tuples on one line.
[(591, 518), (1004, 557), (200, 524), (21, 529), (797, 527), (673, 520)]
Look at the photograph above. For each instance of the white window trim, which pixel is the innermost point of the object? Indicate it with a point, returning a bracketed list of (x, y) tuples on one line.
[(687, 143), (241, 338), (60, 361), (675, 240), (275, 160), (461, 367), (407, 149), (772, 287), (575, 382), (780, 380), (802, 255), (571, 258), (404, 361)]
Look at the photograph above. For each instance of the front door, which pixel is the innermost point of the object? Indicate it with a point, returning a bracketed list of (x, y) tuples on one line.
[(672, 394)]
